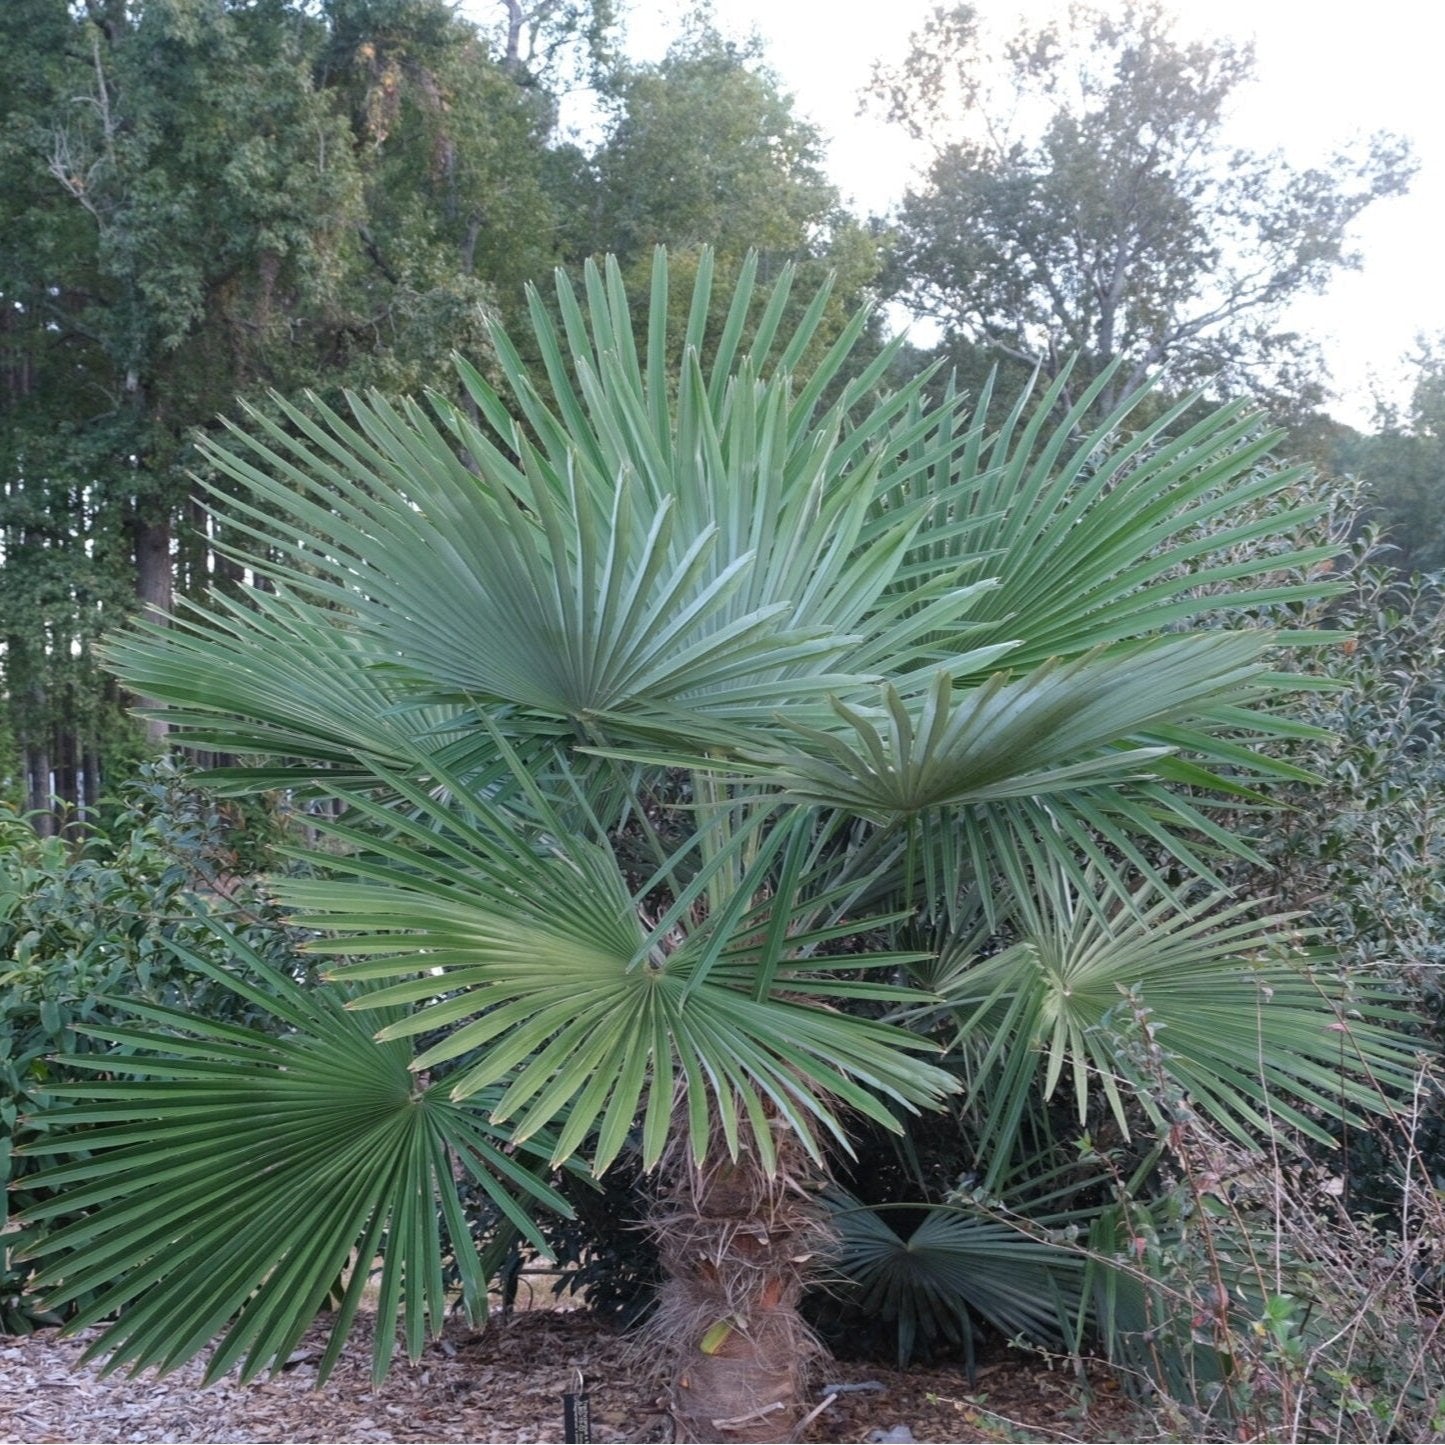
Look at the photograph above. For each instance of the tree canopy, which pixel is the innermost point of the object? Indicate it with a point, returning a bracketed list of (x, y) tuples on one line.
[(1402, 464), (204, 202), (1083, 198)]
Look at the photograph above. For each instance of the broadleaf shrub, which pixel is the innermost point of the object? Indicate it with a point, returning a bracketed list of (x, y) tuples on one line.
[(1362, 852), (87, 919)]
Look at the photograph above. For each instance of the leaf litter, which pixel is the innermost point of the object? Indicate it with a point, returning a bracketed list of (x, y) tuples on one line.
[(502, 1384)]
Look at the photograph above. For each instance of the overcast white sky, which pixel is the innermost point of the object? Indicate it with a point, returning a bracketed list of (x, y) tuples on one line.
[(1327, 71)]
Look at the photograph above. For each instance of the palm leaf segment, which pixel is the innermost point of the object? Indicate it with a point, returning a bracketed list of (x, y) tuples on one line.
[(244, 1174), (530, 955), (1236, 1014), (953, 1265), (642, 547)]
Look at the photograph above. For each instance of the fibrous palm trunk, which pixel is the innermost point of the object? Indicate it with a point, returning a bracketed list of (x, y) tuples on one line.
[(738, 1245)]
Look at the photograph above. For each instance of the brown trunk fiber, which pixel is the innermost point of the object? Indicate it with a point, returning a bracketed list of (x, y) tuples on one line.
[(738, 1246)]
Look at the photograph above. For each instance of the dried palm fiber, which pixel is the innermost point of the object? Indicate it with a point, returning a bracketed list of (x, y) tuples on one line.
[(738, 1244)]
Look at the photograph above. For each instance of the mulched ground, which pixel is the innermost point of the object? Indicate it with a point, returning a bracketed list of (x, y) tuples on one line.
[(504, 1384)]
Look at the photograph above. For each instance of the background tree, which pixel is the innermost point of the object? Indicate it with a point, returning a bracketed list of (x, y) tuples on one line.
[(157, 159), (705, 149), (1402, 466), (1082, 200), (453, 156), (203, 201), (554, 44)]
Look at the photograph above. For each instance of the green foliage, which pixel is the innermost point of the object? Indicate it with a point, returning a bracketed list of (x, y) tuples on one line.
[(1401, 467), (606, 1254), (705, 153), (932, 1282), (1363, 848), (650, 689), (288, 1157), (706, 150), (88, 930), (150, 923), (199, 201), (453, 162), (1352, 844), (1085, 202), (1258, 1028), (533, 938), (1362, 851)]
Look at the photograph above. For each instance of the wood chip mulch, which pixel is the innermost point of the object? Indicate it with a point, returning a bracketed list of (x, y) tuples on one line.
[(501, 1384)]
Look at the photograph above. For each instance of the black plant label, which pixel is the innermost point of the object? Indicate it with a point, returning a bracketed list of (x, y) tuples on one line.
[(576, 1413)]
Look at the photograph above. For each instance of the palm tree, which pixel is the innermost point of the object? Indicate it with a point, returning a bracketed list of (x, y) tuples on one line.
[(694, 712)]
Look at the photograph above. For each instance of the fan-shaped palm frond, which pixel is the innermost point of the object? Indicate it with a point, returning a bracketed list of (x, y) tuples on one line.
[(527, 944), (953, 1264), (242, 1174), (1098, 533), (288, 684), (1230, 1009), (1054, 729)]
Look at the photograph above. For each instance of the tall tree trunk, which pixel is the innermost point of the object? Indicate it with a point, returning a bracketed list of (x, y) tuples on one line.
[(39, 803), (512, 53), (151, 546), (738, 1246), (66, 763), (91, 780)]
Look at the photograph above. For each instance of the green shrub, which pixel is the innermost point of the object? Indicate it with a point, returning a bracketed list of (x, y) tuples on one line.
[(1362, 852), (87, 922), (1359, 851)]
